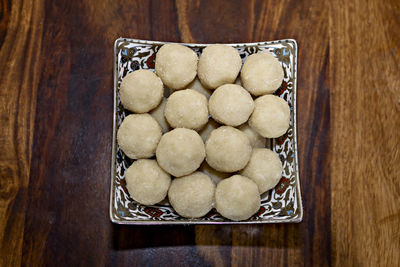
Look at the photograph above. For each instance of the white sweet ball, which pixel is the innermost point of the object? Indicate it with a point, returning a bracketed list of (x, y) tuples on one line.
[(138, 136), (237, 198), (231, 104), (261, 74), (271, 116), (186, 109), (141, 91), (192, 196), (180, 151), (228, 149), (158, 115), (176, 65), (256, 140), (146, 182), (219, 64), (264, 168)]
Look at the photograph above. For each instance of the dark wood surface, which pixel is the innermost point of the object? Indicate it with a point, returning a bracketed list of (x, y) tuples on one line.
[(56, 125)]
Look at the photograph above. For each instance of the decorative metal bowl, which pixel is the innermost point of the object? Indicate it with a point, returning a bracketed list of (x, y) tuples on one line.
[(281, 204)]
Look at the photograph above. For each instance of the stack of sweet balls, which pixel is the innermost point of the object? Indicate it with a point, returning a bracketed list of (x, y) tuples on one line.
[(219, 160)]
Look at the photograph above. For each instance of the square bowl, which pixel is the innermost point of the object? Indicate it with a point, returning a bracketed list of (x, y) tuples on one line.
[(282, 204)]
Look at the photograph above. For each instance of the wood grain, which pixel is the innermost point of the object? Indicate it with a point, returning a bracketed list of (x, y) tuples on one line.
[(364, 38), (56, 105), (21, 38)]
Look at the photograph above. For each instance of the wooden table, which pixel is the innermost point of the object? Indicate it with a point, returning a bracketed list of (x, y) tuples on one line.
[(56, 123)]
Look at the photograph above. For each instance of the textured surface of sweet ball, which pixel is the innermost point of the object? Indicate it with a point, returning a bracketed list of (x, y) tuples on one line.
[(261, 74), (271, 116), (180, 151), (237, 198), (158, 115), (138, 136), (231, 104), (196, 85), (192, 196), (141, 91), (176, 65), (264, 168), (228, 149), (215, 175), (256, 140), (219, 64), (146, 182), (186, 109)]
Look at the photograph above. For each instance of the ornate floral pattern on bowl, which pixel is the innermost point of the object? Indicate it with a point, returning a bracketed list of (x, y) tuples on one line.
[(282, 204)]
